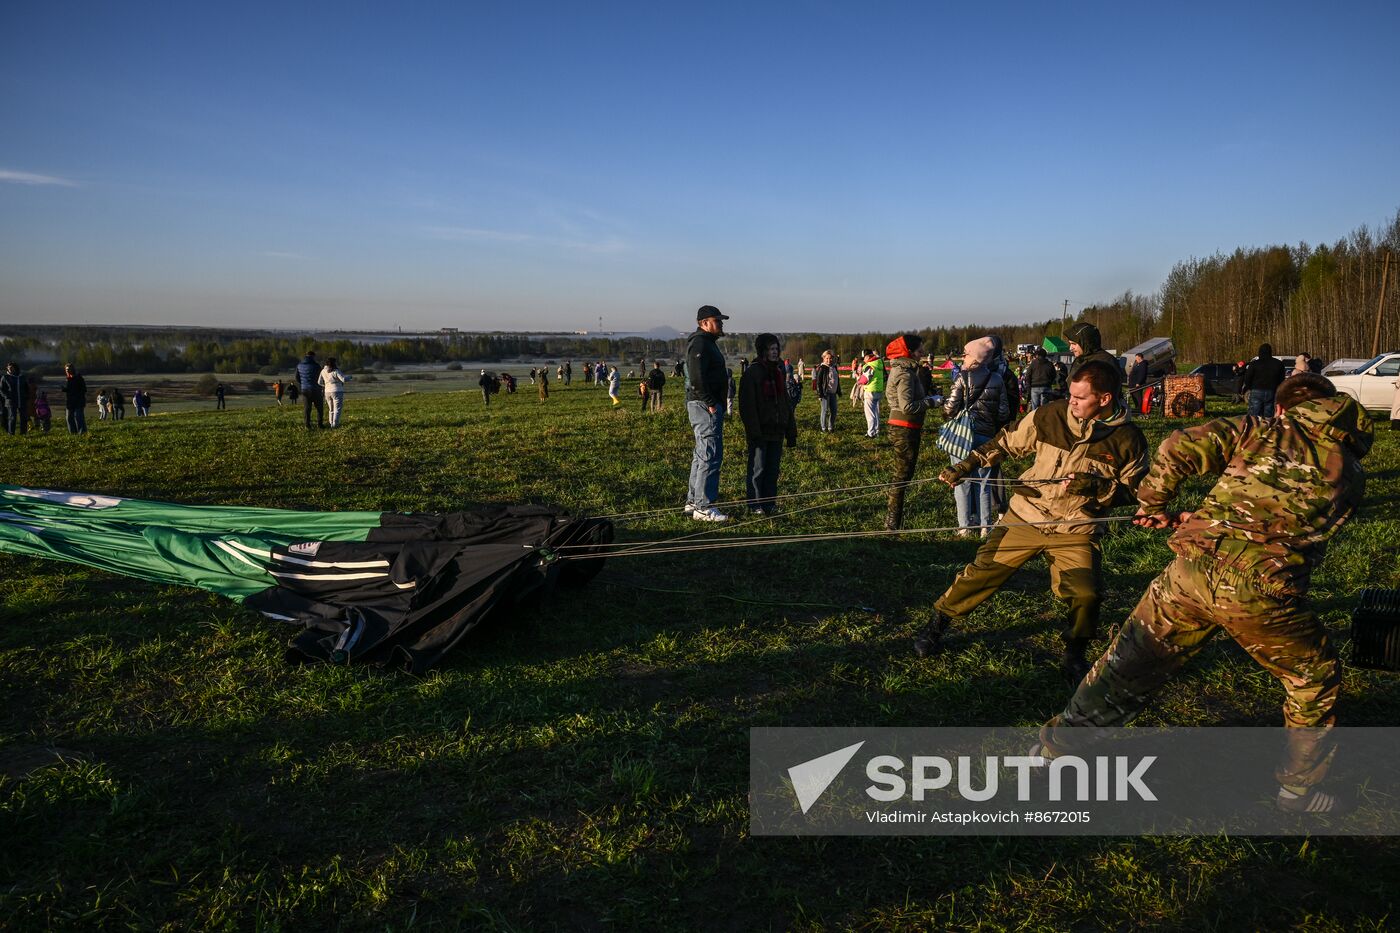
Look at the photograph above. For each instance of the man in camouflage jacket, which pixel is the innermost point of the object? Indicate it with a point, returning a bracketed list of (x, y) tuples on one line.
[(1244, 560)]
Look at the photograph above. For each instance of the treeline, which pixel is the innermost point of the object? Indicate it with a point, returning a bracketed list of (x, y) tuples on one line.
[(106, 350)]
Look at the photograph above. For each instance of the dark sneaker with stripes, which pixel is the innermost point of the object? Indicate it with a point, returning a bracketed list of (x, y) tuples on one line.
[(1315, 801)]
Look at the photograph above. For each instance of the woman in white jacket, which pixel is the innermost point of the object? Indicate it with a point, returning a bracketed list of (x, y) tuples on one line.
[(332, 381)]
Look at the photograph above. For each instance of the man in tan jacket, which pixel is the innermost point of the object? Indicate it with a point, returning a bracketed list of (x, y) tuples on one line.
[(1088, 458)]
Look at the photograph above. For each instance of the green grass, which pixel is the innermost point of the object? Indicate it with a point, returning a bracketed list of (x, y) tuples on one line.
[(584, 765)]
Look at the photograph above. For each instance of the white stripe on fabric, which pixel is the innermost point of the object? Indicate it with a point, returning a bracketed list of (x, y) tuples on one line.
[(224, 546), (328, 576), (339, 565)]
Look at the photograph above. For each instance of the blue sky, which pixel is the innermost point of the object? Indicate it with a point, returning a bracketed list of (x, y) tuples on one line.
[(803, 166)]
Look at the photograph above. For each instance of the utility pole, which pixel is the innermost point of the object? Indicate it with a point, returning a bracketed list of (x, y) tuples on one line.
[(1380, 306), (1064, 318)]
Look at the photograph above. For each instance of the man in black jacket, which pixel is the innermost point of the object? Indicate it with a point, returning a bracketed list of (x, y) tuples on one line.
[(656, 385), (75, 399), (706, 398), (1261, 380), (12, 388), (1041, 378), (1086, 344)]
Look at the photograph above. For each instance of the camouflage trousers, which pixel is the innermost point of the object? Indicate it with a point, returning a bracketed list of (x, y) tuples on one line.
[(1074, 572), (904, 453), (1176, 617)]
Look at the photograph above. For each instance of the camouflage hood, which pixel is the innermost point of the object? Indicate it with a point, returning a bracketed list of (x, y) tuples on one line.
[(1339, 418)]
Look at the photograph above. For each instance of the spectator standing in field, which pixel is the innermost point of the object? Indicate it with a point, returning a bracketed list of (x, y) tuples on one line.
[(332, 383), (706, 390), (801, 369), (873, 372), (1137, 385), (277, 392), (614, 386), (12, 401), (43, 414), (981, 391), (543, 385), (532, 375), (794, 391), (293, 393), (102, 402), (768, 422), (75, 400), (826, 382), (1261, 380), (1009, 378), (656, 385), (485, 383), (219, 404), (568, 373), (118, 405), (1041, 378), (857, 387), (143, 403), (308, 374), (31, 401), (910, 390)]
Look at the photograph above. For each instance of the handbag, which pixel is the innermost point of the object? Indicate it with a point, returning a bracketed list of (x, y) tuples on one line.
[(956, 437)]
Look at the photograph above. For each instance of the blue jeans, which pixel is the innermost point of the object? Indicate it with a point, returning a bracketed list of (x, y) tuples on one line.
[(976, 501), (1261, 402), (761, 479), (1039, 396), (77, 421), (709, 451), (828, 415)]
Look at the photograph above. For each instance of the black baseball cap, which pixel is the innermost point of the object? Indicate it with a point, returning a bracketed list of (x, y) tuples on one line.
[(709, 311)]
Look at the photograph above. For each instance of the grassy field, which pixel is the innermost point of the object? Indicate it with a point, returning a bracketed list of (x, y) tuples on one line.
[(176, 392), (585, 766)]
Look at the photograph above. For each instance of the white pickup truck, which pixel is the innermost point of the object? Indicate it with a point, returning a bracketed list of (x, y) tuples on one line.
[(1373, 382)]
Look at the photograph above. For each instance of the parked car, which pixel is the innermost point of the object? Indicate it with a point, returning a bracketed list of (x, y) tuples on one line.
[(1373, 382), (1343, 367), (1220, 378)]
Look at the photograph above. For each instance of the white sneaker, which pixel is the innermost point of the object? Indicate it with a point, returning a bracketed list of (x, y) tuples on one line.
[(689, 507), (709, 515)]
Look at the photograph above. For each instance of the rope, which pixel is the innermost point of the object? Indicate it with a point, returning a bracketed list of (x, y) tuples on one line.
[(996, 481), (786, 603), (668, 546)]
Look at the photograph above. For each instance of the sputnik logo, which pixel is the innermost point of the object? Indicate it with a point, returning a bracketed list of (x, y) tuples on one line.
[(811, 778)]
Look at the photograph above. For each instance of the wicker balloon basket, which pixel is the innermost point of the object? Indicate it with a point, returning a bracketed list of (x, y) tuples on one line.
[(1184, 397)]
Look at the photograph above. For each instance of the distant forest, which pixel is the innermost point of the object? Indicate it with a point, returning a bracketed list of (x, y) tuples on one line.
[(1323, 300)]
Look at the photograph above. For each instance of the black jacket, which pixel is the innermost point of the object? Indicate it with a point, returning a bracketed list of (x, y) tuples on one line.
[(707, 376), (1042, 373), (656, 379), (12, 390), (983, 393), (763, 405), (827, 380), (1264, 373), (1137, 376), (75, 392)]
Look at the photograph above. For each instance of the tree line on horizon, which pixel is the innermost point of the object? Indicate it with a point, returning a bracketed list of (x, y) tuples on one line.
[(1322, 300)]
